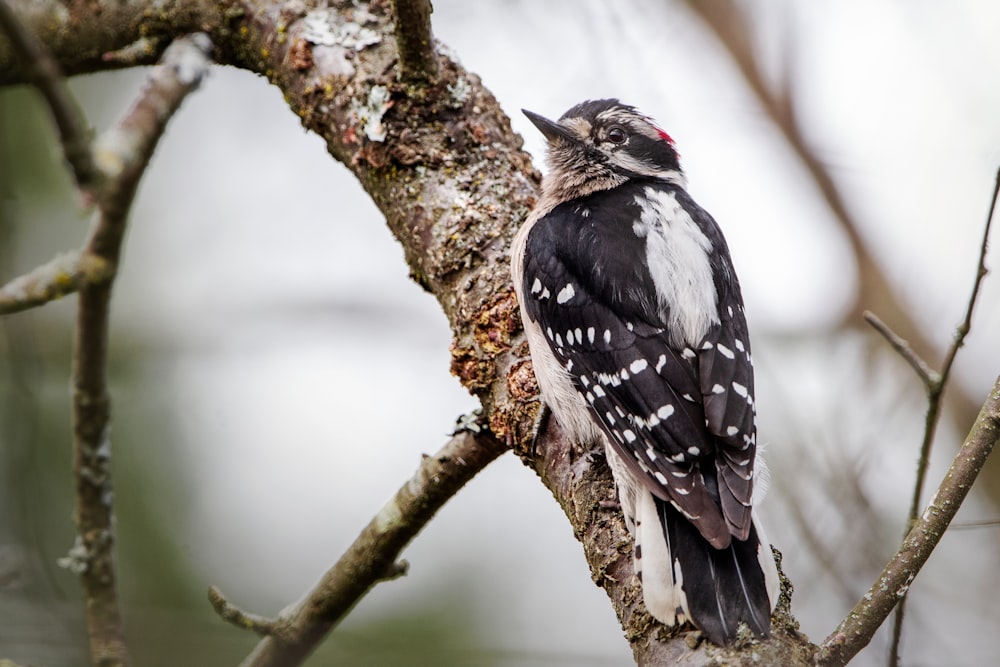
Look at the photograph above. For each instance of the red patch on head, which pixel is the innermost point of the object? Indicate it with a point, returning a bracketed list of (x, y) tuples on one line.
[(666, 137)]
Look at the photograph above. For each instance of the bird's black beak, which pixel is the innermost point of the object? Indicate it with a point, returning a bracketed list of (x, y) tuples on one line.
[(551, 129)]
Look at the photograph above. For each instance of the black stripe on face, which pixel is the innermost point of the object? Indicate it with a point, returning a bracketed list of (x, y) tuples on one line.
[(657, 153)]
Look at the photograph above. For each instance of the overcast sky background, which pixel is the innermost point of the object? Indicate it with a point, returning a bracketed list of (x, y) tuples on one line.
[(303, 374)]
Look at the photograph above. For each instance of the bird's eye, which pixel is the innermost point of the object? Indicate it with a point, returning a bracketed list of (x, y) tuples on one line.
[(616, 135)]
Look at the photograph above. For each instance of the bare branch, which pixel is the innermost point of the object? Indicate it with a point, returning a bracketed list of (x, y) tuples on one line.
[(372, 556), (44, 73), (122, 155), (926, 374), (230, 613), (414, 40), (84, 40), (856, 631), (935, 392), (54, 280)]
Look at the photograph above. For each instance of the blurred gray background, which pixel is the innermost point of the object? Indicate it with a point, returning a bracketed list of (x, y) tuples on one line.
[(276, 376)]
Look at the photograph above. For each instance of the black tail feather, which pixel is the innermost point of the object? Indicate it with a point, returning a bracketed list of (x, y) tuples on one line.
[(723, 587)]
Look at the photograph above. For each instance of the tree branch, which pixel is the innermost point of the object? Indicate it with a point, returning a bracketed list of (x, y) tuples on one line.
[(372, 557), (122, 154), (43, 72), (244, 620), (53, 280), (935, 392), (928, 376), (417, 60), (856, 631)]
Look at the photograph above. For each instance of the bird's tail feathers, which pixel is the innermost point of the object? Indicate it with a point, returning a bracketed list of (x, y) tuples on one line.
[(685, 578)]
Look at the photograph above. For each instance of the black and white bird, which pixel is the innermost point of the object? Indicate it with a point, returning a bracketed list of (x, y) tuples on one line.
[(638, 337)]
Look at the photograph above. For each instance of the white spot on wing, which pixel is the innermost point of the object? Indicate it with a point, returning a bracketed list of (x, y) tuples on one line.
[(665, 411), (638, 365), (732, 430), (536, 286), (565, 294), (739, 389), (725, 351)]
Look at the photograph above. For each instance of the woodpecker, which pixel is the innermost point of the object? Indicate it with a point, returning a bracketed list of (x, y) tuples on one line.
[(638, 338)]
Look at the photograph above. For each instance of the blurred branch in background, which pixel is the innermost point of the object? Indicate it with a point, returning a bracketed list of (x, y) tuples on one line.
[(107, 174), (732, 26), (291, 637), (63, 275)]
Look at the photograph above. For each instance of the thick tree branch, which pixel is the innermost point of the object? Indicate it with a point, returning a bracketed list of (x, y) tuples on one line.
[(371, 558), (84, 37), (856, 631)]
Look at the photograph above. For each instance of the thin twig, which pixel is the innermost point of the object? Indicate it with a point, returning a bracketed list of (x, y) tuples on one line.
[(414, 40), (63, 275), (373, 555), (259, 625), (126, 150), (927, 375), (856, 631), (44, 73), (935, 392)]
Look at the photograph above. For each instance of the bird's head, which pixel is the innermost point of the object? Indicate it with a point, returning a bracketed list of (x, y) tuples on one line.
[(601, 144)]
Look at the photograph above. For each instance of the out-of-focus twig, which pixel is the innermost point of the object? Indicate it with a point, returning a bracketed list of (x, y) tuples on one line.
[(230, 613), (63, 275), (372, 557), (927, 375), (857, 629), (122, 155), (44, 73)]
